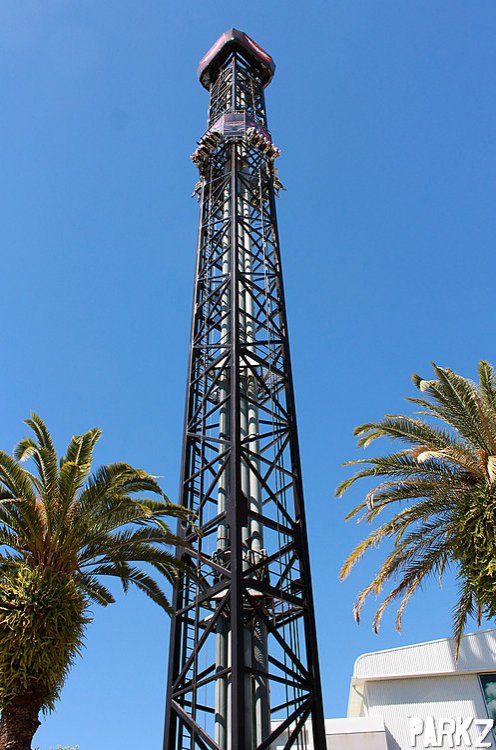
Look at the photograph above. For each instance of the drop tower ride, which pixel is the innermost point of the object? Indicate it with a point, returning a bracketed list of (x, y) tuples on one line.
[(243, 665)]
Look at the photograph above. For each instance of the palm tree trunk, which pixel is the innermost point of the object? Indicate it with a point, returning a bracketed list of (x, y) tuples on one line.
[(19, 722)]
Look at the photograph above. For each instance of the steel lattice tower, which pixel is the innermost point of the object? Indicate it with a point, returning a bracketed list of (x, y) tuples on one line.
[(243, 667)]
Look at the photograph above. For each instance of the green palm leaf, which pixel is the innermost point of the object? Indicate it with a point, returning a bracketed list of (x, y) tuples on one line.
[(446, 476)]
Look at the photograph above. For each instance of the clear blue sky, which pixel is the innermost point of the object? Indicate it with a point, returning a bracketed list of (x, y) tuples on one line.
[(385, 113)]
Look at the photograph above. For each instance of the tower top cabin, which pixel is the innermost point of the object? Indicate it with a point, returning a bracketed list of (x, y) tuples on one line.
[(235, 41)]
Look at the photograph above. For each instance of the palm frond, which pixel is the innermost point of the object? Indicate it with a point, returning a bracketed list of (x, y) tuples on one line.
[(15, 479), (464, 608), (407, 429), (457, 401), (81, 447), (447, 479), (138, 578), (47, 456), (487, 381), (95, 590)]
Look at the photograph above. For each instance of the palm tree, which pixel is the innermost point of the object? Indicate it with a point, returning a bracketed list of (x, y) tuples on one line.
[(444, 481), (61, 530)]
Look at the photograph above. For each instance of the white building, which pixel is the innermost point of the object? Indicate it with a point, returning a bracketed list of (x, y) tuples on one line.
[(361, 733), (423, 682), (417, 696)]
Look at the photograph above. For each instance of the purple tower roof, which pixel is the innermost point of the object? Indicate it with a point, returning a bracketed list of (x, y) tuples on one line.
[(238, 40)]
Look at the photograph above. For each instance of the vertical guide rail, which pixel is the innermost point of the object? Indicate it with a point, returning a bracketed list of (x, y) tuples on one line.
[(243, 663)]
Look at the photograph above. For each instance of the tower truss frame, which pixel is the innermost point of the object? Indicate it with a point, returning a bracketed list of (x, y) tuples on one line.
[(243, 665)]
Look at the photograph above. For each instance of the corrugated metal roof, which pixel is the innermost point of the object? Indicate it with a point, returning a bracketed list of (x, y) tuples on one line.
[(477, 654)]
